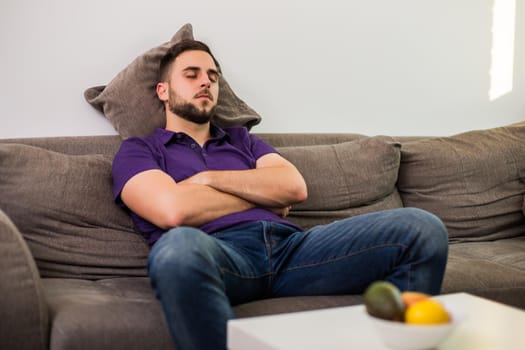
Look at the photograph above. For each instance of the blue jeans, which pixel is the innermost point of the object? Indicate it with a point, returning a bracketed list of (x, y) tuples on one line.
[(198, 277)]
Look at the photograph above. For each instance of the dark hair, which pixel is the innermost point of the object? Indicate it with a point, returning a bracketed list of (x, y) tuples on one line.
[(180, 47)]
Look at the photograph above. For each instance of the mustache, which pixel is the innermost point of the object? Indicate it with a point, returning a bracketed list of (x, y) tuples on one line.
[(204, 93)]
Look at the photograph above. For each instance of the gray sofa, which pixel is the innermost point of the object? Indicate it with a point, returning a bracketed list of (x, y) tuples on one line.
[(74, 268)]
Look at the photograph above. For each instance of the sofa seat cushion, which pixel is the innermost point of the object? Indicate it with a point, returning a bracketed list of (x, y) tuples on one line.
[(123, 313), (494, 270), (473, 181), (109, 314), (63, 207), (275, 306), (345, 179)]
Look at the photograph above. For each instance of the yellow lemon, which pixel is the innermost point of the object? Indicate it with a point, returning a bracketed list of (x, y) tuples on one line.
[(427, 311)]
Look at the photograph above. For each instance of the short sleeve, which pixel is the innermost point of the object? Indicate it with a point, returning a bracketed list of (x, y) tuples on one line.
[(259, 147), (133, 157)]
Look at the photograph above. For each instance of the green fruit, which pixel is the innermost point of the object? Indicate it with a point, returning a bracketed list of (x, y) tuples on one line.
[(383, 300)]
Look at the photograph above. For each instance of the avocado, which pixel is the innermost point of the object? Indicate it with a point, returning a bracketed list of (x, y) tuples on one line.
[(383, 300)]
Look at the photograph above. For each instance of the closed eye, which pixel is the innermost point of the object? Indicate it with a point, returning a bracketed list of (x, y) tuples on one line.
[(213, 76), (194, 72)]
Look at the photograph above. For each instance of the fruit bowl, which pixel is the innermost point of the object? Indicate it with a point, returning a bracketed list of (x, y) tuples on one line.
[(403, 336)]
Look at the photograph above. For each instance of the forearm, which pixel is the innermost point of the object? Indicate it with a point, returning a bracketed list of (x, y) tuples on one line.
[(198, 204), (156, 197), (274, 184), (266, 187)]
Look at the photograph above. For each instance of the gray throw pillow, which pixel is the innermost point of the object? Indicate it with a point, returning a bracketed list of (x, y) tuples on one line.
[(131, 104), (345, 179), (473, 181), (62, 205)]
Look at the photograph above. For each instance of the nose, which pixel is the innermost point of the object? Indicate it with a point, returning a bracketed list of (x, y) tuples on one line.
[(205, 82)]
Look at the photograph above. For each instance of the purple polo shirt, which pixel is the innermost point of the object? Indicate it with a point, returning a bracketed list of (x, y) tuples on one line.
[(178, 155)]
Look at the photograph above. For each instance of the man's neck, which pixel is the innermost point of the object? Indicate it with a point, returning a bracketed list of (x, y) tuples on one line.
[(199, 132)]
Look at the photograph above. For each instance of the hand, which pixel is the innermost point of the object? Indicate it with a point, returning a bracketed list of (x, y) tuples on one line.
[(282, 212)]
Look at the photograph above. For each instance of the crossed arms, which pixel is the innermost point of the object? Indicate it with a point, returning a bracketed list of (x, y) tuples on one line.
[(274, 184)]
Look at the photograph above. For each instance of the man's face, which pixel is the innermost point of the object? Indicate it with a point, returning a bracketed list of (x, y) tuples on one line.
[(193, 86)]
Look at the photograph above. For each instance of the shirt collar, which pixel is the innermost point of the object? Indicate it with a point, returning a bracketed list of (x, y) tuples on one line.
[(166, 136)]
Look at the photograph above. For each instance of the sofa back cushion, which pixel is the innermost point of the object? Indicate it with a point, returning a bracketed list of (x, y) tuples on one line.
[(63, 207), (345, 179), (473, 181)]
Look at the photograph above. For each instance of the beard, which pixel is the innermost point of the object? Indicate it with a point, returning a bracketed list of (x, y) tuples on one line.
[(189, 111)]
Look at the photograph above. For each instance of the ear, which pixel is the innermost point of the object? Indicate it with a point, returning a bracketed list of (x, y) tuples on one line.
[(163, 91)]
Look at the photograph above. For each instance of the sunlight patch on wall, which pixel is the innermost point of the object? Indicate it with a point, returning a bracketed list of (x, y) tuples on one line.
[(503, 31)]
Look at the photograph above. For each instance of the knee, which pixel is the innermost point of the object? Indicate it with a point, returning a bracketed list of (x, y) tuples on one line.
[(429, 222), (176, 251), (430, 228)]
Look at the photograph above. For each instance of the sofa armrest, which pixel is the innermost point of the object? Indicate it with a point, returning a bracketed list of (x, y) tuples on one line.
[(23, 308)]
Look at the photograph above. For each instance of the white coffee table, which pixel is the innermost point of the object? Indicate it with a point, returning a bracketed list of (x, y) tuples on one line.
[(486, 325)]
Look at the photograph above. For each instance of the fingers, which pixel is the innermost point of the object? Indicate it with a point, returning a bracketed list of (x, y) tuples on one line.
[(282, 212)]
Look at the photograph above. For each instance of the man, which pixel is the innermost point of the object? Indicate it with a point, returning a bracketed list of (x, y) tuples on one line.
[(212, 203)]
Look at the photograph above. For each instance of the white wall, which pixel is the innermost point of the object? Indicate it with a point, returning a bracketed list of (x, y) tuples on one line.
[(406, 67)]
